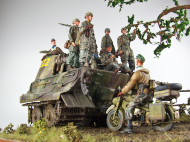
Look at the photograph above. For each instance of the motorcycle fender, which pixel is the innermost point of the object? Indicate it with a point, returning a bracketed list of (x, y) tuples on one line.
[(110, 108)]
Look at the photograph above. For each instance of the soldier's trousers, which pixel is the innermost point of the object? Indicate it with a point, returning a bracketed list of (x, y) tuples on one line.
[(128, 56), (73, 59), (138, 100), (85, 55)]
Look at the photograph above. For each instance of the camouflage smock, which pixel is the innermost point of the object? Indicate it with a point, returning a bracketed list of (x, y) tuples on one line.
[(73, 31), (87, 42), (107, 41)]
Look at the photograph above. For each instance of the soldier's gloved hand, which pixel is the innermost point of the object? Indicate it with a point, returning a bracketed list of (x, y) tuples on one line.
[(120, 94), (90, 26)]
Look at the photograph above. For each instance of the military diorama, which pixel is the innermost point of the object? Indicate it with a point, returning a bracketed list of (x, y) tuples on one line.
[(86, 89)]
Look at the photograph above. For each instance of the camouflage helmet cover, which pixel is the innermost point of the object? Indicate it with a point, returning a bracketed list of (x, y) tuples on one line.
[(107, 30), (140, 57), (88, 14), (123, 29), (76, 20)]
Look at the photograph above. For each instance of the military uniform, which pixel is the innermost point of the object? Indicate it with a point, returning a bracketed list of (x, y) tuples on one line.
[(106, 40), (56, 50), (123, 42), (87, 42), (73, 58), (109, 62), (139, 80)]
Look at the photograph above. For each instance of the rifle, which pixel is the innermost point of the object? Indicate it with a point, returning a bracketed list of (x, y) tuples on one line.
[(67, 25)]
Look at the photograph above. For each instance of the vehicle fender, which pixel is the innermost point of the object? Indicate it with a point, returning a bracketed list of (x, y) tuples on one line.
[(110, 108)]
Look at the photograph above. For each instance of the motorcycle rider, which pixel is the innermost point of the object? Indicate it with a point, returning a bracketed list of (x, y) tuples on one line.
[(140, 80)]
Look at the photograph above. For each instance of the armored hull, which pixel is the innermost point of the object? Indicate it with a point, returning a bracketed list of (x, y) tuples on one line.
[(79, 95)]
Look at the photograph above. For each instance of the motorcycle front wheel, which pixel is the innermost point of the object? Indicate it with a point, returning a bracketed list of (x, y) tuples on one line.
[(115, 123), (167, 124)]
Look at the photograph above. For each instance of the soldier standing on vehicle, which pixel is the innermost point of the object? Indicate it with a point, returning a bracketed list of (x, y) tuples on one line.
[(73, 59), (124, 49), (86, 40), (139, 79), (106, 40)]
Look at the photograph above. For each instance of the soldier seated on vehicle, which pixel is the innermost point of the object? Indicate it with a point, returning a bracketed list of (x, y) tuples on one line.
[(140, 79), (108, 60), (61, 58), (54, 50)]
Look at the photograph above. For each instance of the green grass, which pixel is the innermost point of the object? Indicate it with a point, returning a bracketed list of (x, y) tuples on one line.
[(180, 133)]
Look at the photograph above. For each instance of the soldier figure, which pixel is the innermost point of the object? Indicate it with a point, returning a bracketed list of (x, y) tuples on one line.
[(73, 59), (86, 40), (106, 40), (124, 49), (108, 59), (139, 79), (54, 49)]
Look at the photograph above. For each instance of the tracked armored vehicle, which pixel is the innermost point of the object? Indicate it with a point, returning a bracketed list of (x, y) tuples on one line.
[(79, 95)]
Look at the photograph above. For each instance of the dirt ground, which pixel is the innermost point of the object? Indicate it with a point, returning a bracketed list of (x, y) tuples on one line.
[(180, 132)]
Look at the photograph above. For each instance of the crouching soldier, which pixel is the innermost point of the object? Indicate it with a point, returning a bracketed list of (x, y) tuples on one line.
[(108, 59), (139, 79), (73, 59)]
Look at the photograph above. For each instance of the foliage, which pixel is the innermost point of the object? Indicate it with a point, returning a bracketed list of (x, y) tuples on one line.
[(71, 133), (177, 26), (40, 129), (9, 129), (23, 129), (114, 3)]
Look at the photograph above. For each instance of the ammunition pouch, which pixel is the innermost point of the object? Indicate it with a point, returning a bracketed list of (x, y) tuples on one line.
[(67, 44)]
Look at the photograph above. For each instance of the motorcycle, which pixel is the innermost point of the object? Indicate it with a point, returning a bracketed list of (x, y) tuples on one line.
[(160, 113)]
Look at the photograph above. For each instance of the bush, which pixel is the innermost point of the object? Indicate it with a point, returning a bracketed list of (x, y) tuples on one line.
[(23, 129), (70, 133), (9, 129), (40, 129)]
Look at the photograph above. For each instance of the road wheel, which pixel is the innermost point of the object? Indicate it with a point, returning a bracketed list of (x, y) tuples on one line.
[(167, 124), (36, 114), (115, 123), (50, 115)]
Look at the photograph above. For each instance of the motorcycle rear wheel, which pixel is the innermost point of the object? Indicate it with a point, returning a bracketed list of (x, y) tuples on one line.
[(116, 123), (167, 124)]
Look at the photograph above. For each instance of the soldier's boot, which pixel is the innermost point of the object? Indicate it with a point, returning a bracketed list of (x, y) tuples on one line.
[(129, 128), (132, 64), (81, 64)]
